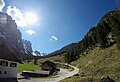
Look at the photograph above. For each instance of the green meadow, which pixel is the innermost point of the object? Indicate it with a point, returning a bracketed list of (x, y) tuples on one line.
[(27, 67)]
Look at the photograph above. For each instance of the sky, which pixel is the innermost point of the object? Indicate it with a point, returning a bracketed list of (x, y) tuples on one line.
[(52, 24)]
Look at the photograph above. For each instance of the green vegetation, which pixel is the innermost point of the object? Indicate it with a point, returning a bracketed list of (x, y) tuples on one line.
[(27, 67), (71, 56), (35, 60), (96, 63), (82, 79)]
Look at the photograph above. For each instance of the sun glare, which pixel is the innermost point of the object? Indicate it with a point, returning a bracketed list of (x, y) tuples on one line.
[(31, 18)]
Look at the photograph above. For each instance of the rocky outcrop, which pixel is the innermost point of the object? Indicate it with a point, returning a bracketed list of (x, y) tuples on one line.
[(27, 46), (37, 53)]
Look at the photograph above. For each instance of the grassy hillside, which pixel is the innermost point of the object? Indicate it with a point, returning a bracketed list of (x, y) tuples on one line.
[(96, 63)]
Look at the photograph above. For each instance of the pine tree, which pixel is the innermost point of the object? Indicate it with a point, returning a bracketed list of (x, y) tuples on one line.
[(115, 30)]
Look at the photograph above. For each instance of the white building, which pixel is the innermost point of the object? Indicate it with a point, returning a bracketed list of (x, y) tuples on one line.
[(8, 64)]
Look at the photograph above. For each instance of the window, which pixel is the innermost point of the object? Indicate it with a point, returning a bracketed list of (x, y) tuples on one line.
[(13, 64), (0, 72), (3, 63), (5, 72)]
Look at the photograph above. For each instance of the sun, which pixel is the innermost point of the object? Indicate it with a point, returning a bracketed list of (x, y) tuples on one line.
[(31, 18)]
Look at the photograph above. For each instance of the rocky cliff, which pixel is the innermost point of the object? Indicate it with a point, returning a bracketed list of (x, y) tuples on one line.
[(12, 37), (27, 46), (8, 29)]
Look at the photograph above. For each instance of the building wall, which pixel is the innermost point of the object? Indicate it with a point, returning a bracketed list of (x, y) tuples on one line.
[(7, 71)]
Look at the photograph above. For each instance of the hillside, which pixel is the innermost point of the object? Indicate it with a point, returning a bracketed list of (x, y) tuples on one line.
[(98, 53), (105, 33), (96, 63)]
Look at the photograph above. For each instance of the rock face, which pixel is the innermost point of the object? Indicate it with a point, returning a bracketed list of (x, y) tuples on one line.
[(27, 46), (12, 37), (2, 39), (37, 53), (8, 29)]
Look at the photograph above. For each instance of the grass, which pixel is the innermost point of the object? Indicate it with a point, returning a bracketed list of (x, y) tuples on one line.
[(96, 63), (27, 67)]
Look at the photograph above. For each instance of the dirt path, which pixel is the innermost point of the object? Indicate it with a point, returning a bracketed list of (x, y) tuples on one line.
[(68, 74), (64, 73)]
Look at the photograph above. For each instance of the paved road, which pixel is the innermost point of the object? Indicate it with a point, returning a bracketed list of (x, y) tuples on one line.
[(64, 73)]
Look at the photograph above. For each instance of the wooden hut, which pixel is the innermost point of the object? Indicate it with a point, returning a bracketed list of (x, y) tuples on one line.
[(49, 66)]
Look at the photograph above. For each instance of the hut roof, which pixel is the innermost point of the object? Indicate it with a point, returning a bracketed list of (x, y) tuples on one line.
[(50, 63)]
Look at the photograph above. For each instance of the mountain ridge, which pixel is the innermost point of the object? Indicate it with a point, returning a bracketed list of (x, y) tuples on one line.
[(104, 25)]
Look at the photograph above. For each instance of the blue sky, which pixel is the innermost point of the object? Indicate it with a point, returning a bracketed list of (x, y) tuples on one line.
[(60, 22)]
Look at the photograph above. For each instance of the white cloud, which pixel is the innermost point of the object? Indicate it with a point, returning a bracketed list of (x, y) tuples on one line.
[(17, 15), (30, 32), (53, 38), (2, 4)]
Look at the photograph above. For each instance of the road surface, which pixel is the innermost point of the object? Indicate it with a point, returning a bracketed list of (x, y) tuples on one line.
[(64, 73)]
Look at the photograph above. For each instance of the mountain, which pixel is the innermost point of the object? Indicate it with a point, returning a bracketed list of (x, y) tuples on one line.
[(104, 34), (8, 29), (64, 49), (12, 37), (27, 46)]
